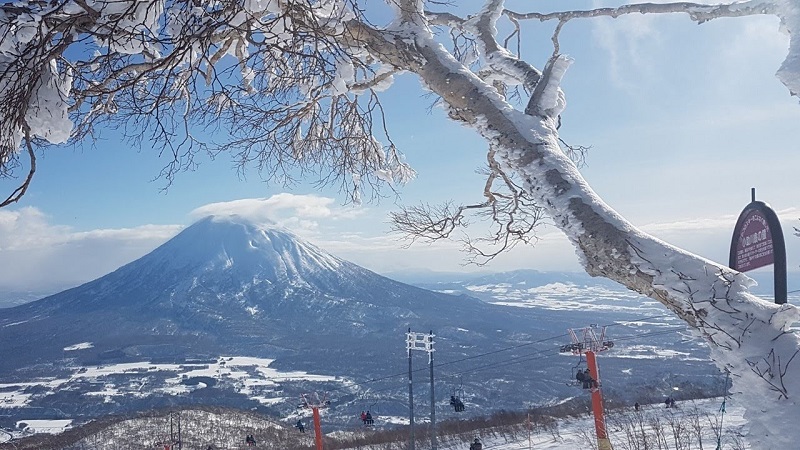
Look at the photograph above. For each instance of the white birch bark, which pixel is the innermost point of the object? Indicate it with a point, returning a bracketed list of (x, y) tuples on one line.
[(747, 335)]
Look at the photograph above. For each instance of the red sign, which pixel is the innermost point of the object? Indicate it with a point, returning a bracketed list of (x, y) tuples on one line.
[(754, 247)]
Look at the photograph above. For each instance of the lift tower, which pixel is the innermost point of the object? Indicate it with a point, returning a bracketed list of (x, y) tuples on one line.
[(586, 342), (314, 403)]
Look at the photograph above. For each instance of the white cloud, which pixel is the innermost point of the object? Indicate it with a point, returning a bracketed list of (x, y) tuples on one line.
[(37, 255), (40, 256), (718, 224), (30, 229), (299, 213), (27, 227), (643, 51), (757, 46), (628, 42), (711, 237)]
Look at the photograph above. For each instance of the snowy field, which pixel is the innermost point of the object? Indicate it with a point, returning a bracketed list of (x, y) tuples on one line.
[(251, 376), (690, 426), (674, 425)]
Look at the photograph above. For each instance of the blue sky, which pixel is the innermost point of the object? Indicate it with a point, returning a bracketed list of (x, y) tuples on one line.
[(683, 120)]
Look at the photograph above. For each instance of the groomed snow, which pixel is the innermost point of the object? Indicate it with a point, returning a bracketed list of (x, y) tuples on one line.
[(81, 346)]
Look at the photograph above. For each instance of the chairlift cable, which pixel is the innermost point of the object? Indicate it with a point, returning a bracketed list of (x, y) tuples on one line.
[(446, 363), (515, 359), (540, 354)]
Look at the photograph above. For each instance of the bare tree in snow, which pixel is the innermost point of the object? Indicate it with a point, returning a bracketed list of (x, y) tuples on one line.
[(293, 86)]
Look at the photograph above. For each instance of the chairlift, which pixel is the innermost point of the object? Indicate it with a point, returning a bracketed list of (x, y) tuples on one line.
[(367, 416), (578, 367), (455, 397), (589, 341)]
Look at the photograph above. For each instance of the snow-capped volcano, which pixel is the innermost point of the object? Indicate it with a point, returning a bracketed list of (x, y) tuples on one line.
[(233, 245), (226, 284)]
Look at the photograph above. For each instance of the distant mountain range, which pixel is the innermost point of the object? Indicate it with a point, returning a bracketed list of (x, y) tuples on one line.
[(235, 313)]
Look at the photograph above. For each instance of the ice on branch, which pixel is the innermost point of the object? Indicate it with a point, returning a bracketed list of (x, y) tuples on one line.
[(344, 77), (134, 25), (332, 13), (552, 99), (261, 6), (401, 174), (789, 72), (47, 111)]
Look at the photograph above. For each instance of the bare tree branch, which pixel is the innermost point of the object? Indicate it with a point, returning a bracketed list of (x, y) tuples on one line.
[(17, 194)]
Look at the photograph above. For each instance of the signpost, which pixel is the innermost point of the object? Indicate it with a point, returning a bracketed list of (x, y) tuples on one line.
[(758, 241)]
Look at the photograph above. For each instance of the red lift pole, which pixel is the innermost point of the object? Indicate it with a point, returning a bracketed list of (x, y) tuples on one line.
[(590, 344), (315, 404), (317, 428), (603, 443)]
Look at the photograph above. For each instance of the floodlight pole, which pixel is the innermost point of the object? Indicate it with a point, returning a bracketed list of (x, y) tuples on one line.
[(179, 441), (423, 342), (409, 346), (429, 348)]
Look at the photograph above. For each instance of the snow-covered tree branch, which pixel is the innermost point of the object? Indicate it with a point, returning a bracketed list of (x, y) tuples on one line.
[(295, 84)]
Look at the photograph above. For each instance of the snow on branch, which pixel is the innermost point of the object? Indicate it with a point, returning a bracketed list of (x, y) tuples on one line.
[(500, 65), (547, 98), (697, 11), (289, 74)]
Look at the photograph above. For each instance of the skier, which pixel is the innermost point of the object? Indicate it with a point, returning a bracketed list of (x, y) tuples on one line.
[(588, 381), (580, 377), (476, 445), (299, 425)]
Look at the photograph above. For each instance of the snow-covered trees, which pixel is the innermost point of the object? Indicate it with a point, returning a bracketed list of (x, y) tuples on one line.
[(295, 84)]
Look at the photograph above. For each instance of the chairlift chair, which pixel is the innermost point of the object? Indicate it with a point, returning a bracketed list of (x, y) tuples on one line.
[(368, 417), (578, 367), (455, 398)]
